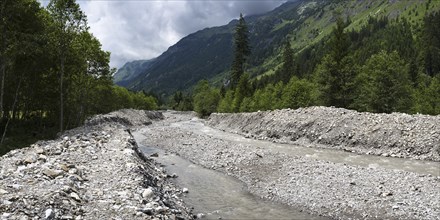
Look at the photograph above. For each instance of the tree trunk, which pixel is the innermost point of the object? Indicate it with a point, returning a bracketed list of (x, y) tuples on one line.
[(2, 56), (13, 109), (61, 94)]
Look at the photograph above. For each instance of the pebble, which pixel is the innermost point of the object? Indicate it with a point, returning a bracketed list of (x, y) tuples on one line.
[(51, 173), (147, 193), (49, 214)]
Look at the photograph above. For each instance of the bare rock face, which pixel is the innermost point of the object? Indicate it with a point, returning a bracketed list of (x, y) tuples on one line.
[(93, 172), (390, 135)]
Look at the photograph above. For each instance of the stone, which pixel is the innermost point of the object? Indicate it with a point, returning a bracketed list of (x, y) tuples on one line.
[(51, 173), (185, 190), (30, 159), (200, 215), (148, 211), (64, 167), (49, 214), (154, 155), (2, 192), (147, 193), (75, 196), (39, 150), (387, 194)]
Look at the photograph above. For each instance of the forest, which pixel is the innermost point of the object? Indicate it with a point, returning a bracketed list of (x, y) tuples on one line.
[(389, 65), (53, 72)]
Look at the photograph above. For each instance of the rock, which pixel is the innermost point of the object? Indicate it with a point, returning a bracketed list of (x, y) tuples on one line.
[(30, 159), (148, 211), (174, 175), (64, 167), (154, 155), (75, 196), (2, 192), (42, 157), (185, 190), (49, 214), (147, 193), (51, 173), (200, 215), (159, 209), (387, 194), (39, 150)]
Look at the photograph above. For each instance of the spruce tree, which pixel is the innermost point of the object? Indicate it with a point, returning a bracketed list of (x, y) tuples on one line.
[(288, 66), (242, 51)]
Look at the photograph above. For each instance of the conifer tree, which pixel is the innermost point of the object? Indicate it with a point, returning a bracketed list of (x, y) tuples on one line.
[(288, 66), (242, 51)]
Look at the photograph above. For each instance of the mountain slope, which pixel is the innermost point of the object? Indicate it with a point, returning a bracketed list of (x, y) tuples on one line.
[(207, 54), (131, 70)]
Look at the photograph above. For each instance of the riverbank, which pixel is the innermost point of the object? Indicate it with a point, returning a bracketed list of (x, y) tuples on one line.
[(319, 187), (390, 135), (91, 172)]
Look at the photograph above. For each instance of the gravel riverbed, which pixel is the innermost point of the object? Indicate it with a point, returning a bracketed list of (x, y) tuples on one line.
[(390, 135), (319, 187), (92, 172)]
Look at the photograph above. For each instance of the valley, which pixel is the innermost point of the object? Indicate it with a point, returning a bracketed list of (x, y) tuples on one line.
[(173, 165)]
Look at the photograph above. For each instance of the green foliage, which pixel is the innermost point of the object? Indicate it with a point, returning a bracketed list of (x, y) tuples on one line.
[(335, 74), (54, 73), (299, 93), (384, 84), (288, 68), (182, 102), (241, 52), (206, 98), (242, 91), (427, 96), (225, 104)]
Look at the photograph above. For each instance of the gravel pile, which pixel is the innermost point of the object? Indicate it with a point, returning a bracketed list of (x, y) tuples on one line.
[(336, 190), (88, 173), (127, 117), (396, 135)]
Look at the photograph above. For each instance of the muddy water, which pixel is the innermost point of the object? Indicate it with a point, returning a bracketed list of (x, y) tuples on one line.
[(337, 156), (217, 195)]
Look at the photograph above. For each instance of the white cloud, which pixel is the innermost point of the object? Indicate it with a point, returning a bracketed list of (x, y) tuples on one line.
[(133, 30)]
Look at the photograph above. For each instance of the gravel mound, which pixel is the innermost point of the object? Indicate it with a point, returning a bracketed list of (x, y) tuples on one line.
[(89, 173), (127, 117), (396, 135)]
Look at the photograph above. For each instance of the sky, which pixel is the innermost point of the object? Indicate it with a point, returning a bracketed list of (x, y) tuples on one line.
[(143, 29)]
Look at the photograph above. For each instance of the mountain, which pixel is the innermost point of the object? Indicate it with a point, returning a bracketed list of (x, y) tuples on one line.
[(130, 71), (207, 54)]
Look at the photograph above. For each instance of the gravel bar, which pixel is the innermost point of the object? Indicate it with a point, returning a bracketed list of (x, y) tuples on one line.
[(324, 188), (390, 135), (92, 172)]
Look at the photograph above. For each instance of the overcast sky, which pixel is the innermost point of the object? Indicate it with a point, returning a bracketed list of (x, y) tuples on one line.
[(143, 29)]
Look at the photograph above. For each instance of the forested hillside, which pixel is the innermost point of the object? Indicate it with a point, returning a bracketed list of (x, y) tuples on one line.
[(208, 54), (385, 65), (54, 73)]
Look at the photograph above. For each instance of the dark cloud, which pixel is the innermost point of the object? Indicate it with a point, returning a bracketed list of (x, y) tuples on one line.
[(133, 30)]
